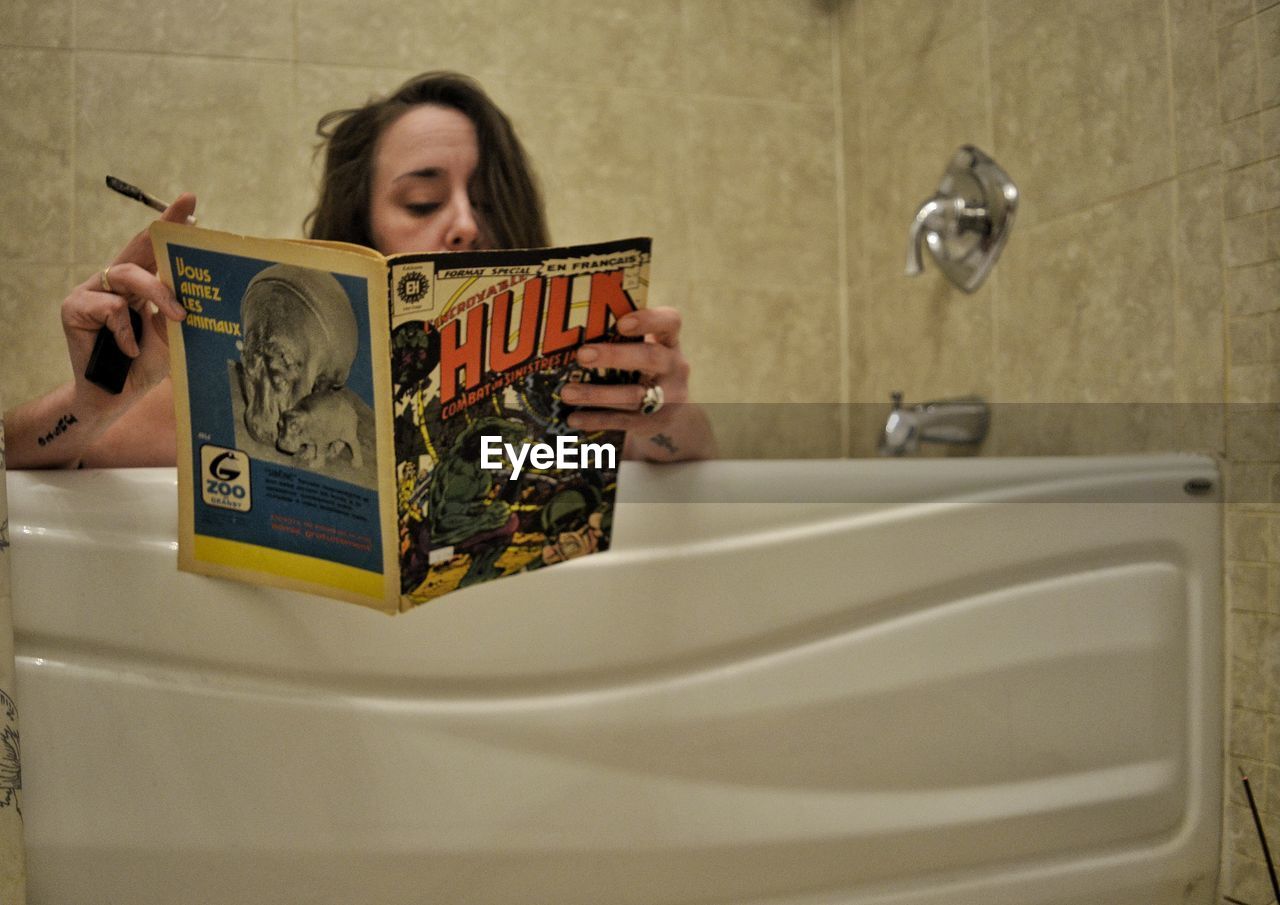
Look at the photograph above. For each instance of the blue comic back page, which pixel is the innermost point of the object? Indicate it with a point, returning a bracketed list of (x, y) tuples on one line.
[(277, 392)]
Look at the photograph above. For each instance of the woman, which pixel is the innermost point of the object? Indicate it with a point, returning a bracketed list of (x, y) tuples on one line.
[(435, 166)]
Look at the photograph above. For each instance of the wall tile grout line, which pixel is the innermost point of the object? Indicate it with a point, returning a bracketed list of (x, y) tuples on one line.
[(836, 15), (1175, 300), (997, 300), (73, 132)]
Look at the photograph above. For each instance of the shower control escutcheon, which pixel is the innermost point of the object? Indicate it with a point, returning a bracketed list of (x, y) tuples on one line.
[(966, 224)]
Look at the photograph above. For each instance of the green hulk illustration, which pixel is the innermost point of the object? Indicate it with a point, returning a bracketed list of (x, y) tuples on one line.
[(465, 510)]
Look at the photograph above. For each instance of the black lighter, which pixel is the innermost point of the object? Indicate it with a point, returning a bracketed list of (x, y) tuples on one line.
[(108, 366)]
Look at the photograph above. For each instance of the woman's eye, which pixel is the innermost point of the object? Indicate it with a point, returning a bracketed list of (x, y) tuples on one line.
[(422, 209)]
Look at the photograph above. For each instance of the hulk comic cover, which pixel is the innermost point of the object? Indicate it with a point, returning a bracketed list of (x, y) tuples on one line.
[(480, 351), (388, 430)]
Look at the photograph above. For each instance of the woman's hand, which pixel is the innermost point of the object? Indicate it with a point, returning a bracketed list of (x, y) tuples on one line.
[(105, 299), (678, 429), (60, 428)]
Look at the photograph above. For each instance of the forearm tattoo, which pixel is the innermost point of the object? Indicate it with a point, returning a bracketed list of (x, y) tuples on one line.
[(665, 442), (63, 425)]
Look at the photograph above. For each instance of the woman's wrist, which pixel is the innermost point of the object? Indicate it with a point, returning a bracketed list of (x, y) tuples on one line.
[(680, 433), (56, 429)]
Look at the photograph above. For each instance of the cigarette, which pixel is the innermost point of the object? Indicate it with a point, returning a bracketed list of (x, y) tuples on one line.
[(137, 194)]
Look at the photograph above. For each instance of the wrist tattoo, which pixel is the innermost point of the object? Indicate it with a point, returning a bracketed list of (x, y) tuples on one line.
[(665, 442), (63, 425)]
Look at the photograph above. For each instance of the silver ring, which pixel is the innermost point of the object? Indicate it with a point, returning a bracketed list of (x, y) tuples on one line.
[(652, 401)]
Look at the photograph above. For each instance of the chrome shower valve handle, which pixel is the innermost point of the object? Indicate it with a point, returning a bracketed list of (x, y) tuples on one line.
[(966, 224)]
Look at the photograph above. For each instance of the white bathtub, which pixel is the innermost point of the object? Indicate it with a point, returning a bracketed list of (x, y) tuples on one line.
[(837, 682)]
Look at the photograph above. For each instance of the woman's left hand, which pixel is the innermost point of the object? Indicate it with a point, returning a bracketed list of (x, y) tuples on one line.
[(677, 429)]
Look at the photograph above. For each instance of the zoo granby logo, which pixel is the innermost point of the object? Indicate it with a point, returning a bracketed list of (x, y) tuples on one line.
[(225, 478)]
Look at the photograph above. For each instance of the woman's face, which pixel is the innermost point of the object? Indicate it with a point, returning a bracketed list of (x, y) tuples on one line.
[(422, 198)]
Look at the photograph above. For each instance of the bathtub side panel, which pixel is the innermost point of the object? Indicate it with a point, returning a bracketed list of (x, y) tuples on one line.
[(912, 703)]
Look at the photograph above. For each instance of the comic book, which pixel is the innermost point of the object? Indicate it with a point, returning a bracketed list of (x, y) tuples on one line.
[(385, 430)]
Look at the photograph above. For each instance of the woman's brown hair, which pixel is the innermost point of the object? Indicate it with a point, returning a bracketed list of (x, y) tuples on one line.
[(514, 216)]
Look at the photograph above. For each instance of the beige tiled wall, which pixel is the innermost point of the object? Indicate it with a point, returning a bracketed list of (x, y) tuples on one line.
[(1104, 114), (1249, 102), (1144, 266)]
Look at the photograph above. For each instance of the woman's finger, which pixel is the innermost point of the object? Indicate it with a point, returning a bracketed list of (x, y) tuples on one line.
[(625, 397), (91, 311), (651, 359), (661, 324), (133, 281), (121, 325), (86, 310)]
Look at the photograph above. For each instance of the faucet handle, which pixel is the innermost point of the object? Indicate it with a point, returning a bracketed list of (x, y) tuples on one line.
[(928, 221), (966, 222)]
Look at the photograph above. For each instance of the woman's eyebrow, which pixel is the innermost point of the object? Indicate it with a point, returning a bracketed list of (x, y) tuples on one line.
[(424, 173)]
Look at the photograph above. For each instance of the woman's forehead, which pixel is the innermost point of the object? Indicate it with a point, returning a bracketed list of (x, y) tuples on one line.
[(424, 138)]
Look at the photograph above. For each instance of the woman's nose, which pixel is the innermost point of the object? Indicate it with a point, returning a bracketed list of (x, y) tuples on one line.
[(464, 229)]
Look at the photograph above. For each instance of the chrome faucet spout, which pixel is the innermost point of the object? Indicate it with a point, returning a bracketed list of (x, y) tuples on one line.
[(955, 422)]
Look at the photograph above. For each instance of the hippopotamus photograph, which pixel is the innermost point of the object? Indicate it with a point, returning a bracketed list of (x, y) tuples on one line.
[(322, 427), (299, 335)]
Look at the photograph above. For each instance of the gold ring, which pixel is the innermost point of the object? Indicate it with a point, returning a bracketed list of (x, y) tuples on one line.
[(106, 281)]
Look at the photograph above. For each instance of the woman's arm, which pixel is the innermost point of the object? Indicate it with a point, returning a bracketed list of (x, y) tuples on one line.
[(143, 436), (81, 423), (59, 431), (679, 429)]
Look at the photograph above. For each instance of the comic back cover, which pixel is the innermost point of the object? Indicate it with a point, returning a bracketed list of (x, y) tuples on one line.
[(280, 379)]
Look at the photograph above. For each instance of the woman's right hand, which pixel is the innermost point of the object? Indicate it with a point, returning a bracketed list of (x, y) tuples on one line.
[(130, 281), (81, 422)]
